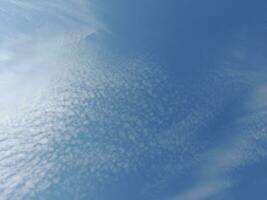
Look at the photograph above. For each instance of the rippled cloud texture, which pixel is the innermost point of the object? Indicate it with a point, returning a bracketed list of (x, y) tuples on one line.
[(79, 120), (69, 117)]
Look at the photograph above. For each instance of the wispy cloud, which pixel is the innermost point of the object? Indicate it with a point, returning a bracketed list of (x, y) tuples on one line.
[(246, 139), (204, 191), (38, 41)]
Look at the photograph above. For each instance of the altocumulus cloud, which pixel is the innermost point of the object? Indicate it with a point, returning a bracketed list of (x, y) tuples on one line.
[(63, 100), (74, 116)]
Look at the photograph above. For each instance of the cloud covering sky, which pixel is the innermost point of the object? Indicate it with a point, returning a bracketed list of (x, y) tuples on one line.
[(132, 100)]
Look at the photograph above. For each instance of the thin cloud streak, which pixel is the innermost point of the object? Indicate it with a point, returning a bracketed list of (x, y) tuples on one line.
[(247, 141)]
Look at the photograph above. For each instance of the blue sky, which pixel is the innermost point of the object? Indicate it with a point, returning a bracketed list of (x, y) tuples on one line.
[(133, 100)]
